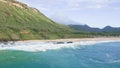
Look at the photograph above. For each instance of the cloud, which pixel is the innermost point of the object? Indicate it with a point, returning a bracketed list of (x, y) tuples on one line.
[(71, 4), (96, 6), (62, 18), (86, 11), (92, 4)]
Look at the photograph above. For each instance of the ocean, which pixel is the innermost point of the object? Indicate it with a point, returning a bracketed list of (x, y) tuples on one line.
[(99, 55)]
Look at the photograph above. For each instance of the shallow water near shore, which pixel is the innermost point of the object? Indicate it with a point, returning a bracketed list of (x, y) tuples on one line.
[(101, 55)]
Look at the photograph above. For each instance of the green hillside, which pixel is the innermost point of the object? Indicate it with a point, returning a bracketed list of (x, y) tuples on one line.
[(20, 22)]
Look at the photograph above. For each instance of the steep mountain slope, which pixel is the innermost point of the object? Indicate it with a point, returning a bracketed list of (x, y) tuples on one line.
[(20, 22)]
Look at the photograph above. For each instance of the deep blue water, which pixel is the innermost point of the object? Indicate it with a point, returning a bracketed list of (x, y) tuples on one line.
[(104, 55)]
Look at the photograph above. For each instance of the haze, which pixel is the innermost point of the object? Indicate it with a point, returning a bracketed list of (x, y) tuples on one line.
[(95, 13)]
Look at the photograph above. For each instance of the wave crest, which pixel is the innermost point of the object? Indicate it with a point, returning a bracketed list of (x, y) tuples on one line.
[(44, 46)]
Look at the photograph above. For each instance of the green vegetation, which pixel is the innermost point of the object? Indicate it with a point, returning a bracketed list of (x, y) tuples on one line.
[(20, 22), (79, 34), (87, 31)]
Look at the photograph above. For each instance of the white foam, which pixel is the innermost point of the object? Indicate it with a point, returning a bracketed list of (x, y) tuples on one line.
[(37, 46), (43, 46), (97, 42), (114, 61)]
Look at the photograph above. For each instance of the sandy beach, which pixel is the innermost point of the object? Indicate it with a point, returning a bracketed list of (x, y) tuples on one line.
[(77, 39), (44, 45)]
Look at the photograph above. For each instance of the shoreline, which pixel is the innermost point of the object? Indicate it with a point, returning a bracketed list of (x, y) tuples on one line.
[(76, 39), (44, 45)]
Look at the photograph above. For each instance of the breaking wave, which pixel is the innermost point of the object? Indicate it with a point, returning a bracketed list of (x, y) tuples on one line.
[(44, 46)]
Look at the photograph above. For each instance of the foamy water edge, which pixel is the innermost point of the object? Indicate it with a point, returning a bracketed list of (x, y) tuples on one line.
[(44, 46)]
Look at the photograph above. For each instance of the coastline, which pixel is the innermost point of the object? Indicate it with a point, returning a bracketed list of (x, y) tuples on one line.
[(44, 45), (77, 39), (80, 41)]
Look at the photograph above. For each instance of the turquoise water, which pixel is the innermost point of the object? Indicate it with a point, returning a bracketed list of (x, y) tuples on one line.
[(104, 55)]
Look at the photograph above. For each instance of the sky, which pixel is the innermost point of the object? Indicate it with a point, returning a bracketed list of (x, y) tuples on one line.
[(95, 13)]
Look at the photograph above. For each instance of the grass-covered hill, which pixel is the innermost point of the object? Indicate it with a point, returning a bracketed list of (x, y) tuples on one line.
[(20, 22)]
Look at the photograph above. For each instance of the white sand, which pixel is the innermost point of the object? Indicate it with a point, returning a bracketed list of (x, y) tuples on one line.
[(43, 45)]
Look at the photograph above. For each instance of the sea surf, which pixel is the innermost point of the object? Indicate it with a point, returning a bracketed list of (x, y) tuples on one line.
[(84, 54)]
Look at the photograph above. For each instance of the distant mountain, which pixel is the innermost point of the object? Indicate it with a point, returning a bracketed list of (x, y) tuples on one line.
[(111, 29), (21, 22), (86, 28)]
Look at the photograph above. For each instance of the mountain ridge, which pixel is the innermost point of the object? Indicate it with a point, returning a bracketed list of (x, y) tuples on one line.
[(87, 28), (21, 22)]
